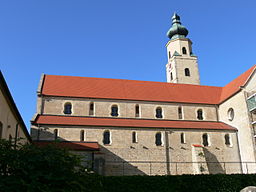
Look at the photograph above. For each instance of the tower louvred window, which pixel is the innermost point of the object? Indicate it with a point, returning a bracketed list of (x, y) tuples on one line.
[(184, 51), (187, 72)]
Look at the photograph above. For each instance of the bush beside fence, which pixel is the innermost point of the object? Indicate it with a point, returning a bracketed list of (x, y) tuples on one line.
[(206, 183)]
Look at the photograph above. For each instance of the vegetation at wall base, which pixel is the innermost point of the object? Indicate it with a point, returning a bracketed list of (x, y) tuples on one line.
[(49, 168), (179, 183), (30, 168)]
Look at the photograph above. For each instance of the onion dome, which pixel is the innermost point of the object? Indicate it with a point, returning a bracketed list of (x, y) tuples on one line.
[(177, 30)]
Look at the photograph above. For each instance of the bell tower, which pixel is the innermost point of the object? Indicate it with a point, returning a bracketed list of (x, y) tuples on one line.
[(182, 64)]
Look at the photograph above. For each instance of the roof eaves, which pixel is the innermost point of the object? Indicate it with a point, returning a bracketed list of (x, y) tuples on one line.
[(6, 92)]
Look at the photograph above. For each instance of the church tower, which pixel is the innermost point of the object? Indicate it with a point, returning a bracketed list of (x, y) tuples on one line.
[(182, 64)]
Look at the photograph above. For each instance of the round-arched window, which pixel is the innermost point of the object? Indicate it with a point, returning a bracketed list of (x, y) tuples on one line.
[(231, 114)]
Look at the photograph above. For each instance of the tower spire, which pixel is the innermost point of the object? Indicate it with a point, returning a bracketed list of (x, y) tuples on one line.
[(182, 64), (177, 30)]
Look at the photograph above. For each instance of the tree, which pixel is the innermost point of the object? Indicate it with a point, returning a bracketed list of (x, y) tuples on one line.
[(47, 168)]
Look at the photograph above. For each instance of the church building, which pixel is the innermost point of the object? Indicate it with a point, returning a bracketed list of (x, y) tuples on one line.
[(129, 127)]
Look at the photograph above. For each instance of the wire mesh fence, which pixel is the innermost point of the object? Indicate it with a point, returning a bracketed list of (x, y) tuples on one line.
[(176, 168)]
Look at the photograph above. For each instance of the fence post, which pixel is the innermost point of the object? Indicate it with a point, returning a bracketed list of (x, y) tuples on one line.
[(150, 168), (123, 168), (246, 167), (224, 166), (176, 168)]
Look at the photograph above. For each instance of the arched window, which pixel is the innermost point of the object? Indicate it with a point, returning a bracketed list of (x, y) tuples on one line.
[(134, 137), (205, 140), (55, 132), (187, 72), (231, 114), (184, 51), (227, 140), (1, 130), (200, 114), (182, 138), (180, 112), (106, 137), (67, 108), (159, 112), (91, 109), (158, 137), (137, 111), (171, 76), (82, 135), (114, 111), (169, 54)]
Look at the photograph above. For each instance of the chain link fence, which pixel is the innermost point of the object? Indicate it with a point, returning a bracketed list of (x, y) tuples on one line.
[(175, 168)]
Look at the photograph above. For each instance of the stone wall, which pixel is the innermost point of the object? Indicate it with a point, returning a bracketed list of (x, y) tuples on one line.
[(126, 109), (242, 122), (122, 156)]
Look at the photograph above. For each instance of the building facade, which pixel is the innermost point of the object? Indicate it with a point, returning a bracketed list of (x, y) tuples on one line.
[(12, 126), (153, 128)]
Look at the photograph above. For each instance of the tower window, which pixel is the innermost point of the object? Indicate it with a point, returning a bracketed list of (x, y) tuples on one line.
[(91, 109), (106, 137), (134, 137), (169, 54), (67, 108), (182, 138), (227, 140), (114, 111), (205, 140), (137, 111), (82, 135), (184, 51), (158, 138), (187, 72), (171, 76), (55, 132), (200, 114), (180, 112), (159, 112)]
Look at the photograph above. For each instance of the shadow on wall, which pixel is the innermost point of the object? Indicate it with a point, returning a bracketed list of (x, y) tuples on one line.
[(214, 166), (109, 163), (103, 162)]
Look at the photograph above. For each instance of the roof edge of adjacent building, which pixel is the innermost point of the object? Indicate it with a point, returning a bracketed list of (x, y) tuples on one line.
[(6, 92)]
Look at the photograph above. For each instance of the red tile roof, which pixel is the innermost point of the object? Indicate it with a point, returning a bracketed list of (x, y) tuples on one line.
[(77, 146), (235, 85), (119, 122), (128, 89), (87, 87)]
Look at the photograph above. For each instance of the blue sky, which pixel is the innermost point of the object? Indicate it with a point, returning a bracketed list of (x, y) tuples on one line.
[(119, 39)]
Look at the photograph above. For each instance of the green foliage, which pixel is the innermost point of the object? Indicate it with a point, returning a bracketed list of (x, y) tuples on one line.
[(49, 168), (30, 168), (181, 183)]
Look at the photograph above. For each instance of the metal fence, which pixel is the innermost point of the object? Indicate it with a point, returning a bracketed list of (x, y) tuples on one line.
[(175, 168)]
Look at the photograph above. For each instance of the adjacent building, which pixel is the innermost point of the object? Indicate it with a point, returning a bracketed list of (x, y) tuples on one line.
[(12, 126), (153, 128)]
